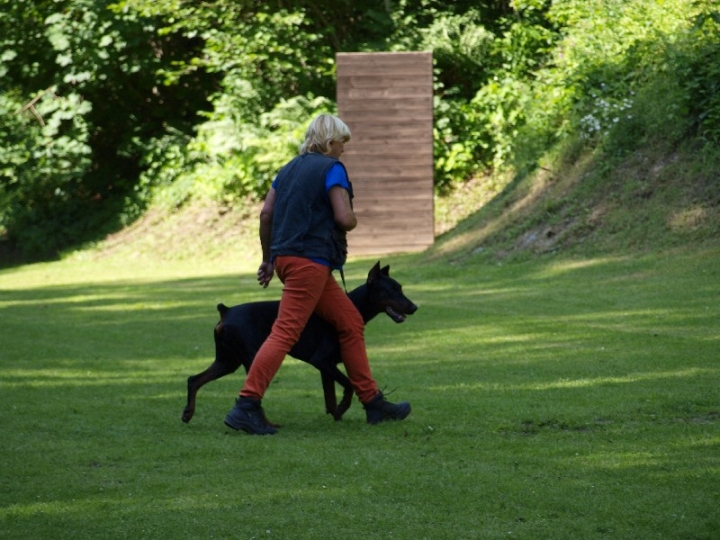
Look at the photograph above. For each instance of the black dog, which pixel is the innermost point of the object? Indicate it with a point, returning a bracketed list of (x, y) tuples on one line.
[(243, 329)]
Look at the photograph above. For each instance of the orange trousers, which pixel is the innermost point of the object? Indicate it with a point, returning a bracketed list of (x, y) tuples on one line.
[(310, 287)]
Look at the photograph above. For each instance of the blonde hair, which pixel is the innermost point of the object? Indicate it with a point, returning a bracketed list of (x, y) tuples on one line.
[(321, 131)]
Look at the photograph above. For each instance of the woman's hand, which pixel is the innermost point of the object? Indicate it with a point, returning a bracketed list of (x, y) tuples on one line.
[(265, 273)]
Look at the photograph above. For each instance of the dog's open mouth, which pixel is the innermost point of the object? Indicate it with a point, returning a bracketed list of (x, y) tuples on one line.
[(394, 315)]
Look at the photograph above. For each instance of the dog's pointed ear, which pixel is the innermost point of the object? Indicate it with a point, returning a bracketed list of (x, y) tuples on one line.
[(386, 270), (374, 272)]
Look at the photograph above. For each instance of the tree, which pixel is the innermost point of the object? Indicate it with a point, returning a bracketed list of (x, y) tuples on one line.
[(82, 92)]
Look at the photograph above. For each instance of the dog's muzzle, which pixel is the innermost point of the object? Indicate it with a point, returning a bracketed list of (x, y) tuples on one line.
[(397, 316)]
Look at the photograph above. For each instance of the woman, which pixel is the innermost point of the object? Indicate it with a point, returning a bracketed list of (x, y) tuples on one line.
[(303, 226)]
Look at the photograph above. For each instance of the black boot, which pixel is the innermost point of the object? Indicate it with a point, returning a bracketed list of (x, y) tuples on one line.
[(378, 409), (248, 415)]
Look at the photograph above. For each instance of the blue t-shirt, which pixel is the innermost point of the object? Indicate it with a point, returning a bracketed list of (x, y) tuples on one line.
[(336, 176)]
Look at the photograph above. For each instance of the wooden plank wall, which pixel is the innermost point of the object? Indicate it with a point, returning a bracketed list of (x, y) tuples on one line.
[(387, 101)]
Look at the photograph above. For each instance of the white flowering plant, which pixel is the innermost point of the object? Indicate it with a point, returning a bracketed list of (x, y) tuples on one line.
[(606, 113)]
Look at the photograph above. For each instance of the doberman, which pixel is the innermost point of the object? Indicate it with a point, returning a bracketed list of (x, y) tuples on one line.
[(243, 329)]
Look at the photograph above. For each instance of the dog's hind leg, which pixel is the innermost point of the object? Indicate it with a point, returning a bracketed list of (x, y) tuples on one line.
[(226, 362), (230, 354), (194, 383)]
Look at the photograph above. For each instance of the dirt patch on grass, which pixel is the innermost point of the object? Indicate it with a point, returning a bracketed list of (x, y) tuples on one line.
[(205, 231)]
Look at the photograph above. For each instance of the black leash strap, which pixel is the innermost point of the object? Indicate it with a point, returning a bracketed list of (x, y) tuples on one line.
[(342, 276)]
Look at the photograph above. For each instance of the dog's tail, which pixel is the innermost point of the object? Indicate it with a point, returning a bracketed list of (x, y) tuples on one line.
[(223, 309)]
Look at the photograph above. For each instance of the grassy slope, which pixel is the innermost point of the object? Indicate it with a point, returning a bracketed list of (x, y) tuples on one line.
[(655, 199), (575, 204), (562, 366)]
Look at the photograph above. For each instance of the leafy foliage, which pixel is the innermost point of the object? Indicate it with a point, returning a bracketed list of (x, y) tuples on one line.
[(624, 71), (100, 99), (45, 159), (173, 100)]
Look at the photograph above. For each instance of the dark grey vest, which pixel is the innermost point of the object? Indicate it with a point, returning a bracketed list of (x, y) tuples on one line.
[(303, 223)]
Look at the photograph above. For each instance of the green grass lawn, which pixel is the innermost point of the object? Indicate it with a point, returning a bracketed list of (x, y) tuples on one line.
[(555, 398)]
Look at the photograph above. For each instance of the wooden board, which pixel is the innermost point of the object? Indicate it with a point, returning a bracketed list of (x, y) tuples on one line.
[(387, 101)]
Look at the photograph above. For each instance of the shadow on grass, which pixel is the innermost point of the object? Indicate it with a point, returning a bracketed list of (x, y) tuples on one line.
[(569, 317), (545, 392)]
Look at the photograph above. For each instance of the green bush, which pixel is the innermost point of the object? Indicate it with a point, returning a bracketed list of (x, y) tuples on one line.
[(45, 156), (228, 162), (622, 73)]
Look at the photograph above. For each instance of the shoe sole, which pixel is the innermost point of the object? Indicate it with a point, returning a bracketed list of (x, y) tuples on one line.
[(249, 428)]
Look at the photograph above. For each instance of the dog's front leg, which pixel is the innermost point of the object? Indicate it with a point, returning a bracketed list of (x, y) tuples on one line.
[(328, 384), (345, 402), (340, 378)]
